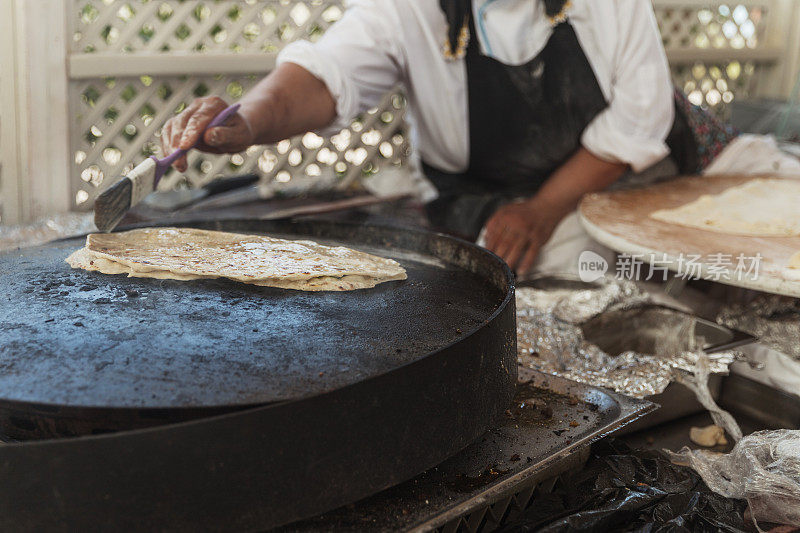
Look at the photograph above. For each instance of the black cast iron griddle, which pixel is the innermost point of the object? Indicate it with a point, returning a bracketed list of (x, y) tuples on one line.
[(347, 415), (147, 351)]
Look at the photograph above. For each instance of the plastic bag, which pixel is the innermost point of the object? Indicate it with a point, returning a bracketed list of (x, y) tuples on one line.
[(698, 383), (763, 468)]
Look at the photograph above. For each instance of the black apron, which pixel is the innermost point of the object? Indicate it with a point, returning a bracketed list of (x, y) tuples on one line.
[(525, 121)]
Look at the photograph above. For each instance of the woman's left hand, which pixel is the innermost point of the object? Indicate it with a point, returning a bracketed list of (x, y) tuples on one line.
[(517, 231)]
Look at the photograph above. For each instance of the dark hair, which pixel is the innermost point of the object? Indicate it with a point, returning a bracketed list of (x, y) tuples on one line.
[(456, 13), (553, 7)]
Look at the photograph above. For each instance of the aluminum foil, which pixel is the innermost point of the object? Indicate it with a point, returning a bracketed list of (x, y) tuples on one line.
[(576, 304), (45, 230), (551, 340), (774, 320)]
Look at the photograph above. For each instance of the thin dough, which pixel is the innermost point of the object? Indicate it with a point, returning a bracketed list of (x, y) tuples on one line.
[(188, 254), (763, 207), (792, 270), (708, 436)]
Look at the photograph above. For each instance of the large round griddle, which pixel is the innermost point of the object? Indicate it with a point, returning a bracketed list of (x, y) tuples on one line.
[(128, 352), (364, 390)]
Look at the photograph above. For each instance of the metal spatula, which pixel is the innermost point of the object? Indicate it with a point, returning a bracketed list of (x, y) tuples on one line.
[(180, 198)]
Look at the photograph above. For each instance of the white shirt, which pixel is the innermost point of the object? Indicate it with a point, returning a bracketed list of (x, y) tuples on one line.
[(379, 44)]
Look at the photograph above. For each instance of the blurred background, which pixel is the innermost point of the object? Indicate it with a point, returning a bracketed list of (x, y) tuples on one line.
[(85, 86)]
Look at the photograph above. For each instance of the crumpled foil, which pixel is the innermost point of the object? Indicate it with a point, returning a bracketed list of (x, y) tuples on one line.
[(550, 340), (577, 305), (774, 320), (46, 230)]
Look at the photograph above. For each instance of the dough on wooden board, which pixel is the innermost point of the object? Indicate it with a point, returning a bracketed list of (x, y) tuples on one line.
[(762, 206), (188, 254), (792, 270)]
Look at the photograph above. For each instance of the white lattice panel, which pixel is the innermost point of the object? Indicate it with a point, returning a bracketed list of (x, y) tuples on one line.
[(714, 48), (711, 25), (168, 26), (118, 120), (715, 84)]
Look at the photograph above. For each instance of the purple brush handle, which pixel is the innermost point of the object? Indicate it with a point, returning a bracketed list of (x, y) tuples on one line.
[(163, 164)]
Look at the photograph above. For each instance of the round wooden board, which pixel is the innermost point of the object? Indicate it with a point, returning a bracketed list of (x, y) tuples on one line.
[(621, 220)]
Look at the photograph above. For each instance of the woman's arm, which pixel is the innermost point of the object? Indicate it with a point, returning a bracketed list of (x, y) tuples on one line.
[(287, 102), (316, 85), (517, 231), (634, 127)]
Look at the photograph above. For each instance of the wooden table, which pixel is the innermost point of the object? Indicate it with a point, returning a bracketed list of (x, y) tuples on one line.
[(621, 220)]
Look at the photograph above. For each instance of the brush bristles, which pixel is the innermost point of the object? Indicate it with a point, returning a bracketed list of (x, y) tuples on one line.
[(111, 206)]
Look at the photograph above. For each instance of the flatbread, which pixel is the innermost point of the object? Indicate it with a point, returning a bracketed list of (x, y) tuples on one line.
[(188, 254), (761, 207)]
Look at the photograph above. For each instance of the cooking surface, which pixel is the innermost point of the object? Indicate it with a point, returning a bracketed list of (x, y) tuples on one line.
[(621, 220), (80, 338)]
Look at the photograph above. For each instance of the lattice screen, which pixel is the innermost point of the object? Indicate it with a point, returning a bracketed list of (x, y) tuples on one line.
[(725, 28), (122, 119), (117, 120), (167, 26)]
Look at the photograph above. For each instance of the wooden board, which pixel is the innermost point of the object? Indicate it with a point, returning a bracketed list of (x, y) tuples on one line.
[(621, 220)]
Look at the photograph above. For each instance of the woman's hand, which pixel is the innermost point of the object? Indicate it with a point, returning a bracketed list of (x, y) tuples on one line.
[(517, 231), (289, 101), (183, 131)]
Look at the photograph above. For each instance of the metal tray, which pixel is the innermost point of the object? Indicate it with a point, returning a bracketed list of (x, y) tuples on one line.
[(499, 475), (623, 330), (616, 332), (755, 407)]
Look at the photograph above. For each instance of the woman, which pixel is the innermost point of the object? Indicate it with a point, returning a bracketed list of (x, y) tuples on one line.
[(521, 107)]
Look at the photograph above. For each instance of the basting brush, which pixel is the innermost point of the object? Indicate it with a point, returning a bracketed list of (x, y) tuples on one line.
[(110, 207)]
